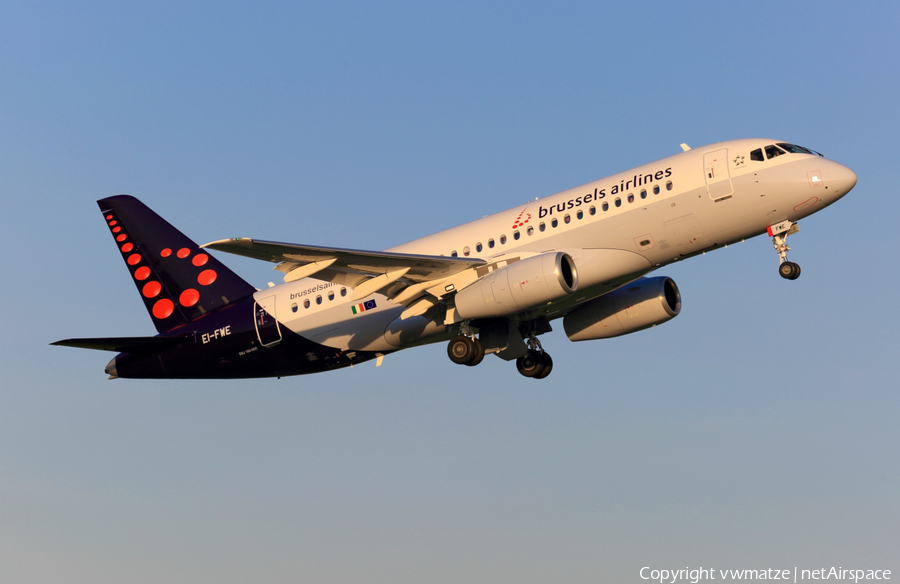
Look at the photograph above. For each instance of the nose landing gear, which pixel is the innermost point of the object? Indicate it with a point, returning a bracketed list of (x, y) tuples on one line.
[(779, 233)]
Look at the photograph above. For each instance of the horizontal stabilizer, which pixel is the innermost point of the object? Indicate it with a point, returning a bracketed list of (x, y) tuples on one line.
[(125, 344)]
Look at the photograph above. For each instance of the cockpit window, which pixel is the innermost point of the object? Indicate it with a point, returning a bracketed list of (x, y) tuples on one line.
[(772, 151), (797, 149), (757, 154)]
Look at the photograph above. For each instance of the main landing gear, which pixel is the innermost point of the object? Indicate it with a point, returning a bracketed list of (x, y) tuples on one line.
[(779, 233), (536, 363), (465, 349)]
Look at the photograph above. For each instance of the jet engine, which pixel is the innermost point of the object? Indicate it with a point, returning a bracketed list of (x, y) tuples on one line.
[(644, 303), (519, 286)]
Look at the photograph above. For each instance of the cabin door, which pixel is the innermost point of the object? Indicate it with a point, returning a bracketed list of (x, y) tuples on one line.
[(718, 179), (266, 324)]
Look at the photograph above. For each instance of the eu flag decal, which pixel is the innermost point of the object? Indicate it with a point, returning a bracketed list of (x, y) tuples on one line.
[(363, 306)]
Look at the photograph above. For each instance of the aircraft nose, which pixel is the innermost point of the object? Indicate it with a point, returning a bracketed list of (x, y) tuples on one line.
[(841, 179)]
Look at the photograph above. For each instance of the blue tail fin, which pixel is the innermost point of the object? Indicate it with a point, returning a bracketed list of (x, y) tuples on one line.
[(177, 280)]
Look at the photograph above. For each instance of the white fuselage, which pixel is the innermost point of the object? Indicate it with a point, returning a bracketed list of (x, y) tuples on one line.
[(661, 212)]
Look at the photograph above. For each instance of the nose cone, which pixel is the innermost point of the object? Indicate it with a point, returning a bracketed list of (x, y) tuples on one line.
[(840, 179)]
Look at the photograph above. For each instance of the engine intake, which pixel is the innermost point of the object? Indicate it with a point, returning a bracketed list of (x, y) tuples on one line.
[(519, 286), (644, 303)]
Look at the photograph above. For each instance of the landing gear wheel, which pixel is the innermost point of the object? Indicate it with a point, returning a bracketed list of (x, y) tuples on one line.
[(789, 270), (479, 353), (548, 366), (461, 350), (531, 365)]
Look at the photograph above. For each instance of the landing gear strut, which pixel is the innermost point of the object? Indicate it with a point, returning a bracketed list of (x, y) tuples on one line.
[(779, 233), (536, 363)]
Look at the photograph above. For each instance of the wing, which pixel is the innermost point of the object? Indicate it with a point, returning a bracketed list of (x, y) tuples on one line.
[(404, 277)]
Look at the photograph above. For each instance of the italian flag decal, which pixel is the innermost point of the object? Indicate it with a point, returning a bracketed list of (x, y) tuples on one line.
[(362, 306)]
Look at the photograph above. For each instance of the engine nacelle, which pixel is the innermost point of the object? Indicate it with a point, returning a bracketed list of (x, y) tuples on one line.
[(644, 303), (519, 286)]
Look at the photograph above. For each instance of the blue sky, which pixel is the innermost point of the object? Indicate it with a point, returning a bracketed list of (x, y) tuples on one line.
[(758, 429)]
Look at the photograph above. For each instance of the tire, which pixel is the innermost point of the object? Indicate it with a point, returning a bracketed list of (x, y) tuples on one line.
[(547, 368), (479, 354), (461, 350), (796, 273), (786, 270), (531, 364)]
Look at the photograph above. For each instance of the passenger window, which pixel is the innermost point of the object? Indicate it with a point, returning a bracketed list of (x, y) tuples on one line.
[(580, 214), (294, 307), (516, 235), (319, 299), (554, 223), (478, 247), (542, 226), (453, 254), (592, 210), (306, 303), (466, 251), (343, 291), (772, 151), (643, 193), (757, 155), (655, 189), (567, 218), (669, 185), (618, 202), (491, 243), (331, 296), (606, 206), (630, 197), (502, 240), (531, 231)]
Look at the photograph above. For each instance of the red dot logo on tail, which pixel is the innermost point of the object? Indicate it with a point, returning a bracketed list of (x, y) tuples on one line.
[(206, 277), (163, 308), (152, 289), (189, 297)]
